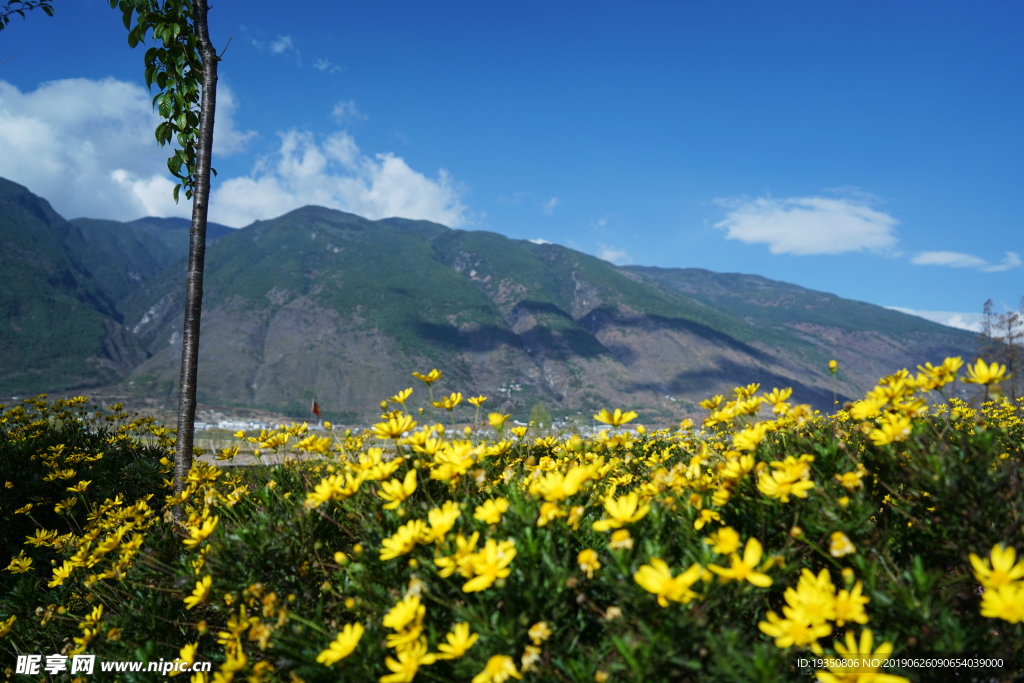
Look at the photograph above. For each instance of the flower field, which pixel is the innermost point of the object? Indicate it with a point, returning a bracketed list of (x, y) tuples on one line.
[(766, 543)]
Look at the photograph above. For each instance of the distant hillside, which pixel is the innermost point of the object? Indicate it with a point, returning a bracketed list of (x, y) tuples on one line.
[(321, 303), (59, 327)]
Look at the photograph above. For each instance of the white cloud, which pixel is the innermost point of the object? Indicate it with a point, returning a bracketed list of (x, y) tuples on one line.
[(963, 321), (809, 225), (285, 46), (539, 241), (323, 64), (281, 45), (347, 112), (335, 174), (88, 147), (955, 259), (549, 205), (613, 255)]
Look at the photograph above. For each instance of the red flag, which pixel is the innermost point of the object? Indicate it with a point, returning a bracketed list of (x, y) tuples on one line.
[(316, 409)]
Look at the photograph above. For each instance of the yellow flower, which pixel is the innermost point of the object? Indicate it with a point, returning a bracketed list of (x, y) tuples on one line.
[(400, 398), (499, 669), (1005, 602), (833, 366), (548, 513), (477, 400), (556, 487), (588, 562), (394, 427), (459, 641), (449, 402), (985, 374), (781, 484), (539, 632), (850, 606), (198, 534), (744, 569), (430, 377), (657, 578), (531, 655), (403, 613), (725, 541), (813, 601), (1002, 571), (462, 560), (852, 480), (404, 540), (490, 512), (704, 517), (342, 646), (623, 510), (7, 626), (497, 420), (840, 545), (789, 632), (615, 419), (894, 427), (19, 564), (397, 491), (60, 573), (24, 509), (857, 659), (410, 659), (200, 594), (442, 520), (621, 540), (490, 564), (749, 438)]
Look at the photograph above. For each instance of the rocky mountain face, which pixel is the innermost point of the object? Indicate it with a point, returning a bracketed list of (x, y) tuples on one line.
[(323, 304)]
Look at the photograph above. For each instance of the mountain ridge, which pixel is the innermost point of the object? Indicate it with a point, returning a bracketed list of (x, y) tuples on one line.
[(319, 303)]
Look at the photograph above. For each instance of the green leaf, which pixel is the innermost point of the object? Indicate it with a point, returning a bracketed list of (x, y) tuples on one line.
[(127, 16), (176, 188)]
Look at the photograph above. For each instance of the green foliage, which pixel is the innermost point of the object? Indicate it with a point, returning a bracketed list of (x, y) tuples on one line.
[(19, 7), (291, 562), (176, 69)]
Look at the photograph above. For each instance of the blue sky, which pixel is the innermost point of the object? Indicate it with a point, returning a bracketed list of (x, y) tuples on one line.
[(868, 149)]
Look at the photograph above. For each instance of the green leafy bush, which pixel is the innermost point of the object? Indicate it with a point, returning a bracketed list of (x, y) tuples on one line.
[(741, 551)]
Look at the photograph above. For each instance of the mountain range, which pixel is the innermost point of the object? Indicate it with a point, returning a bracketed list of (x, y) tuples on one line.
[(326, 305)]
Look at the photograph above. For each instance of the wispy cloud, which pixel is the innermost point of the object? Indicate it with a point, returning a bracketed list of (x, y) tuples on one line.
[(88, 147), (347, 112), (955, 259), (539, 241), (549, 206), (613, 255), (809, 225), (323, 64), (963, 321), (284, 46)]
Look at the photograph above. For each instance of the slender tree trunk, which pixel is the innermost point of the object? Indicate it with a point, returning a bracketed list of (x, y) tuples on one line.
[(196, 254)]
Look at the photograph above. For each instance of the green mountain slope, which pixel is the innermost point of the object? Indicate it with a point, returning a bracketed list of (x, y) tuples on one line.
[(58, 327), (323, 304), (319, 303)]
